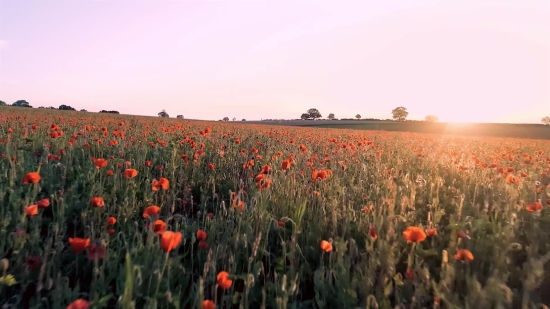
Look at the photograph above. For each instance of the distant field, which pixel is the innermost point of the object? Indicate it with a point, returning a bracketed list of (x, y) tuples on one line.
[(534, 131)]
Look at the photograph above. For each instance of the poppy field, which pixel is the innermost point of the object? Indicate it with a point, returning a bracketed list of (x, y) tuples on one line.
[(113, 211)]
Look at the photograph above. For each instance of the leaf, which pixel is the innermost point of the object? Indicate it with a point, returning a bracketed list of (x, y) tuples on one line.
[(103, 301), (126, 301), (426, 253), (398, 279), (279, 264), (236, 298)]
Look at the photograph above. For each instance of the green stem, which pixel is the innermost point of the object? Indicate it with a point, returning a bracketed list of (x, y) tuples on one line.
[(162, 273)]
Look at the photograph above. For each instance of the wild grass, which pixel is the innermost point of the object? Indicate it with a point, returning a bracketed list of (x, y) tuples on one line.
[(270, 217)]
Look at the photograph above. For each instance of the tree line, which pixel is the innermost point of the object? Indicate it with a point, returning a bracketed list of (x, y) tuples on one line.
[(24, 103), (398, 114)]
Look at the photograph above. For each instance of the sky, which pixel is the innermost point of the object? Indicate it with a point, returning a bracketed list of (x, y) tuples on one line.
[(471, 61)]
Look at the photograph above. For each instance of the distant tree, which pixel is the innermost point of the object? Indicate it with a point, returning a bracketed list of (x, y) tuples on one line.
[(225, 119), (546, 120), (234, 118), (41, 107), (2, 103), (314, 113), (21, 103), (358, 116), (330, 116), (179, 116), (164, 114), (109, 112), (305, 116), (243, 119), (431, 118), (66, 108), (83, 110), (400, 113), (51, 107)]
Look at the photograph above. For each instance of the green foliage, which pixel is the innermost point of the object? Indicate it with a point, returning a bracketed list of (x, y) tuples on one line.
[(399, 113), (314, 113), (66, 108), (21, 103)]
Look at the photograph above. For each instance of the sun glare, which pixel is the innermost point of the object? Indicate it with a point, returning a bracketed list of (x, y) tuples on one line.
[(462, 118)]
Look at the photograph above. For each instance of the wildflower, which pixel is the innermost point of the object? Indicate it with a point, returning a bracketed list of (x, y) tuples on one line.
[(414, 234), (263, 184), (33, 262), (431, 232), (31, 210), (31, 177), (464, 255), (534, 206), (223, 280), (511, 179), (285, 165), (130, 173), (203, 244), (208, 304), (266, 169), (151, 211), (79, 304), (162, 183), (259, 177), (99, 163), (320, 175), (201, 235), (110, 221), (110, 173), (79, 244), (326, 246), (170, 240), (43, 203), (8, 280), (372, 232), (159, 227), (52, 157), (97, 202), (409, 274)]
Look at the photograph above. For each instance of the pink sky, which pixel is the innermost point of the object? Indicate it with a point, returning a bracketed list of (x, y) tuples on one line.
[(461, 60)]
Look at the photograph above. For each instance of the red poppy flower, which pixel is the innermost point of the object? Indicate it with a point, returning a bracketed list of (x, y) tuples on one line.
[(79, 244), (32, 177), (170, 240)]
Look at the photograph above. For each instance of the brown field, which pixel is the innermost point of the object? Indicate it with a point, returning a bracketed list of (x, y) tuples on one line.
[(530, 131)]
